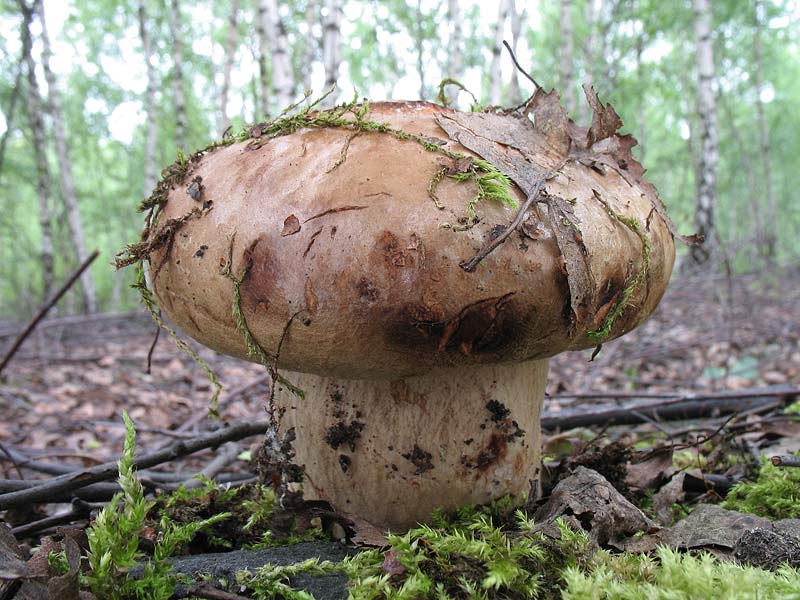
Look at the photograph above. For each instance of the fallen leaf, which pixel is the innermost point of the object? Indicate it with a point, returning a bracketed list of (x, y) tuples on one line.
[(588, 501)]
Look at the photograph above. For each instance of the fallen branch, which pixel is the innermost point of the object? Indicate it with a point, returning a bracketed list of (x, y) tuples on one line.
[(107, 471), (687, 406), (785, 460), (80, 510), (46, 308)]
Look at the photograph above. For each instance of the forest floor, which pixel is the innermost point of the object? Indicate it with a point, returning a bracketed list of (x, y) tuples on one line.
[(711, 338)]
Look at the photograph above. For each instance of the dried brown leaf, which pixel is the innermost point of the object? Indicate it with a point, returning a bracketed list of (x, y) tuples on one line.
[(291, 225)]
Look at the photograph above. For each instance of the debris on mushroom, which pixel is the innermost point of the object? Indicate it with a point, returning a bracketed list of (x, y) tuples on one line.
[(412, 280)]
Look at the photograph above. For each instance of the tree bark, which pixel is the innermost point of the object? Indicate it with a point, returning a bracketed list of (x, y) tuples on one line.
[(455, 59), (706, 179), (566, 58), (230, 54), (768, 235), (74, 219), (495, 81), (150, 147), (276, 44), (175, 28), (331, 51)]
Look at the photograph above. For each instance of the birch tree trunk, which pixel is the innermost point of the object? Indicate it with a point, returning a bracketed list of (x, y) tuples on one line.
[(771, 218), (65, 168), (566, 57), (263, 59), (454, 60), (175, 28), (150, 150), (230, 54), (331, 51), (706, 195), (312, 9), (420, 41), (35, 108), (517, 19), (277, 43), (497, 48), (593, 10)]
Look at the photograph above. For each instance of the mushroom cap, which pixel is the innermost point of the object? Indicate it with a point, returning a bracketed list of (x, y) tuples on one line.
[(347, 267)]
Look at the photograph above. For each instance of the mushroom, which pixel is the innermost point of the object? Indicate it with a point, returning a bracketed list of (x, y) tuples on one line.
[(336, 246)]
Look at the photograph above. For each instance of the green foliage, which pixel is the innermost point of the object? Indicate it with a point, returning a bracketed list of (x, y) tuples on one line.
[(272, 582), (472, 557), (774, 495), (672, 575), (114, 538)]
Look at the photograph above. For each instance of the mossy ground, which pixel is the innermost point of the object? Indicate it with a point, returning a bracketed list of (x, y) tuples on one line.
[(484, 552)]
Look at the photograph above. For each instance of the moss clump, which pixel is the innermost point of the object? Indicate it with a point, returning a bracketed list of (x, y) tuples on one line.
[(774, 495), (114, 539), (671, 575)]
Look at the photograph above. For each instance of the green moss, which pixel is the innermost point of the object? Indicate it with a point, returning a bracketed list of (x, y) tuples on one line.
[(671, 575), (774, 495), (114, 539), (633, 282), (254, 349)]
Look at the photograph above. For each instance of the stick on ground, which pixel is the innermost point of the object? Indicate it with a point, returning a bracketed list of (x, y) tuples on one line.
[(108, 471)]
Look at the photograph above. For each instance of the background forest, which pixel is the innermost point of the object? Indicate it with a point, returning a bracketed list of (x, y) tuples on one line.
[(97, 95)]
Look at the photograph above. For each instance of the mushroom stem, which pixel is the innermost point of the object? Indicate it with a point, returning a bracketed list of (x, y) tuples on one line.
[(392, 451)]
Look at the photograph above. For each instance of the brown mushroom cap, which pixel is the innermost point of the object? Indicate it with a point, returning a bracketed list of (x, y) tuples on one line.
[(347, 264)]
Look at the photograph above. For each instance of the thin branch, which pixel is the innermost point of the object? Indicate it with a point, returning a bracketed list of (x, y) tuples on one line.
[(44, 310), (108, 471), (688, 406), (473, 262), (519, 68), (80, 510)]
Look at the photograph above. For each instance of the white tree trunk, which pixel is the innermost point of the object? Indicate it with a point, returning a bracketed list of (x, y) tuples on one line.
[(566, 57), (275, 32), (455, 58), (35, 108), (175, 28), (74, 219), (150, 148), (706, 178), (771, 218), (263, 60), (312, 10), (594, 9), (230, 54), (331, 50), (517, 19), (495, 79)]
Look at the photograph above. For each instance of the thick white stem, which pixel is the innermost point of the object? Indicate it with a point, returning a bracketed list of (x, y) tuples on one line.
[(392, 451)]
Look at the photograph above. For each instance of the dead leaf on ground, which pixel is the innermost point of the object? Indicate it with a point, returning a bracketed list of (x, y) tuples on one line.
[(648, 469), (587, 501)]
